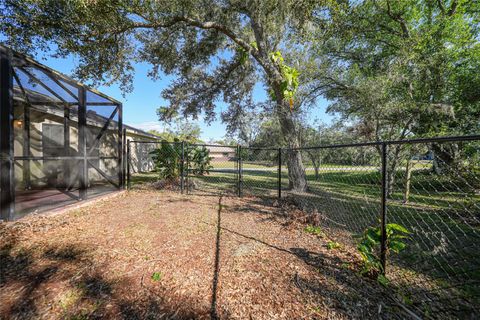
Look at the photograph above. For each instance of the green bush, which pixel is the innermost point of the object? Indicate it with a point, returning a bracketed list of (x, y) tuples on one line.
[(168, 160), (199, 159), (369, 247)]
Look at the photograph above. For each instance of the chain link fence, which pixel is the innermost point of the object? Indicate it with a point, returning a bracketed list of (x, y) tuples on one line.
[(212, 169), (429, 187)]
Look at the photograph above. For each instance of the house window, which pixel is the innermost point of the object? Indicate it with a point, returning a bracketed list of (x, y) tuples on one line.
[(53, 146), (52, 140), (91, 135)]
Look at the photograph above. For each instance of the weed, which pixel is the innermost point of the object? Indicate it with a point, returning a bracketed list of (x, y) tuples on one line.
[(315, 230), (333, 245), (369, 248), (70, 298), (157, 276)]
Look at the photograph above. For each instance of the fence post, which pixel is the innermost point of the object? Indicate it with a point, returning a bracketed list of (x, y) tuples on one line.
[(7, 167), (182, 173), (124, 158), (240, 176), (187, 179), (238, 169), (128, 166), (279, 180), (82, 141), (383, 245)]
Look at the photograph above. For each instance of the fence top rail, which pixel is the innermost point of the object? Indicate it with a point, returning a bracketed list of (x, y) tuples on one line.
[(144, 141), (211, 145), (344, 145), (437, 139), (394, 142), (262, 148)]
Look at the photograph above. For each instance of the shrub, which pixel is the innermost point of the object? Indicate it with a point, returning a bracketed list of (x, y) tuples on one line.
[(199, 158), (167, 160), (369, 247)]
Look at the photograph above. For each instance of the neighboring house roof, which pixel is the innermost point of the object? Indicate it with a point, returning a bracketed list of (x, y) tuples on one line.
[(217, 148)]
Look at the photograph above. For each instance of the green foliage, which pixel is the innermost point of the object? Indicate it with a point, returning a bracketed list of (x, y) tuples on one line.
[(333, 245), (157, 276), (398, 68), (243, 54), (290, 75), (179, 129), (199, 159), (369, 247), (167, 160), (383, 280), (315, 230)]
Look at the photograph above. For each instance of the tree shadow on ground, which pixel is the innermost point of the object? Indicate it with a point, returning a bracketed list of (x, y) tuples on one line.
[(429, 279), (335, 286), (61, 281)]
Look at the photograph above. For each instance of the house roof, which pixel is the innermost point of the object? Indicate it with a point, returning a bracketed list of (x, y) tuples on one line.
[(218, 148), (139, 132)]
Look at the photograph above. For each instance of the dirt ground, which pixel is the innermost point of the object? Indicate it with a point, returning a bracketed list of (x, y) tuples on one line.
[(162, 255)]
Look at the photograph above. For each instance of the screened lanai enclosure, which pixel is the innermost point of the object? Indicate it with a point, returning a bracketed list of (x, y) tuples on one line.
[(61, 142)]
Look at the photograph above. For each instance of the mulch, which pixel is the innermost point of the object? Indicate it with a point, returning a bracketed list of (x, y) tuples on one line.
[(150, 254)]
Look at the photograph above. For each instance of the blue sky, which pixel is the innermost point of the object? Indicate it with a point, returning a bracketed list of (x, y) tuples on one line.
[(139, 106)]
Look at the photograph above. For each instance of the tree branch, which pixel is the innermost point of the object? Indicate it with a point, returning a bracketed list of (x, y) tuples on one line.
[(440, 6), (453, 8), (208, 25), (451, 11), (398, 18)]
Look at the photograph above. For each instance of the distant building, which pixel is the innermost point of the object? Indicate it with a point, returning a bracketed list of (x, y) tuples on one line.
[(221, 153)]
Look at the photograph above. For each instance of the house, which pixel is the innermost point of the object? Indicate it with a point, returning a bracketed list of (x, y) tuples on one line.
[(61, 141), (220, 153), (140, 143)]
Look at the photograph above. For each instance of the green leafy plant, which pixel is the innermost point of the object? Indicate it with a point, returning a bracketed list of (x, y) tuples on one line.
[(369, 248), (199, 159), (333, 245), (290, 75), (167, 160), (157, 276), (315, 230)]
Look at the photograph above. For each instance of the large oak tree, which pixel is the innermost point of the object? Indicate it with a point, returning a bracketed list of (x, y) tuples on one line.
[(216, 49)]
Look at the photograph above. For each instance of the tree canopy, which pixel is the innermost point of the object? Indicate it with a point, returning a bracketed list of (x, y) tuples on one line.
[(391, 69), (402, 68)]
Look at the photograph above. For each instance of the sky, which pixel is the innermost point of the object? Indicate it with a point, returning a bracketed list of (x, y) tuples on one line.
[(140, 105)]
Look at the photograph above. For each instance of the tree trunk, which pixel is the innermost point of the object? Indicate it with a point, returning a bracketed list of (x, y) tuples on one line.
[(392, 161), (392, 169), (316, 164), (297, 180), (444, 157), (317, 173), (408, 178)]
